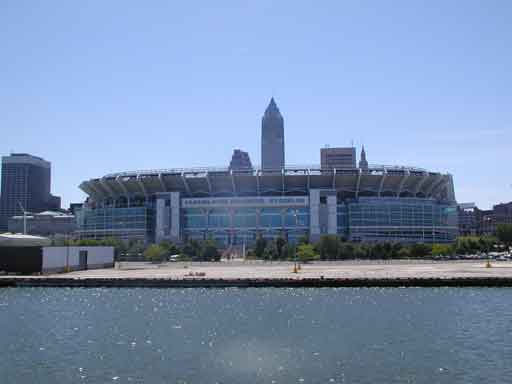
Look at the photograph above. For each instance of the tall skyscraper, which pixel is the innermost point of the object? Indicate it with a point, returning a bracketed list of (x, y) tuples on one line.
[(26, 183), (339, 158), (272, 138)]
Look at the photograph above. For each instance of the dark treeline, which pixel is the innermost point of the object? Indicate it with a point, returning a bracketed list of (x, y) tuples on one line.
[(329, 247)]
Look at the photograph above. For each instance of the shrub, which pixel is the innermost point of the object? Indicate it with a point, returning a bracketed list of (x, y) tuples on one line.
[(442, 250), (306, 252), (154, 253), (209, 251)]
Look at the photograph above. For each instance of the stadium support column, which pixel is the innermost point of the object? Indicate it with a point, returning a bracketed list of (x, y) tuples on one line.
[(314, 215), (175, 217), (167, 217), (162, 218), (332, 218)]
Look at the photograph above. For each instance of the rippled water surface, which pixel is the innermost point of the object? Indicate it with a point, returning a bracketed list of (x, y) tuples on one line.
[(346, 335)]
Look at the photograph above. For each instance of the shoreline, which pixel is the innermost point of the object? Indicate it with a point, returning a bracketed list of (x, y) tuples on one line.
[(64, 282), (279, 275)]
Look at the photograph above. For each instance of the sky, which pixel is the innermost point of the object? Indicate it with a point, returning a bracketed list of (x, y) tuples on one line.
[(105, 86)]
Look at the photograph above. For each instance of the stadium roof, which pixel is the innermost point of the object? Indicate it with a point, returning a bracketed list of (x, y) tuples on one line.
[(378, 180)]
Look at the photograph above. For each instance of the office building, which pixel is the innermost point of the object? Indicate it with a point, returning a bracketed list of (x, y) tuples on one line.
[(47, 223), (26, 181), (272, 138), (470, 218), (500, 214), (240, 161), (338, 158)]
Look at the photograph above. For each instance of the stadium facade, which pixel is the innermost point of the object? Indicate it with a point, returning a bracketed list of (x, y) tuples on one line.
[(369, 203)]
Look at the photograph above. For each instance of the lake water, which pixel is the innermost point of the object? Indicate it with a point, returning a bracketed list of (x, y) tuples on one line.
[(344, 335)]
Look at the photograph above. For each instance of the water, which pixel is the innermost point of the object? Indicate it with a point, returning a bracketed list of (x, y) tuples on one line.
[(345, 335)]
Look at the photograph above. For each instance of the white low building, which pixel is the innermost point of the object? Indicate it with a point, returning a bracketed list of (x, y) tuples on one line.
[(30, 254)]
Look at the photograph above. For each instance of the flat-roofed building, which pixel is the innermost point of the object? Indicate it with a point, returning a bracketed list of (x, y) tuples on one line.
[(338, 158), (47, 223), (26, 181), (240, 161)]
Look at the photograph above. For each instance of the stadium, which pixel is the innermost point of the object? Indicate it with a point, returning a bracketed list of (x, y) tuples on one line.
[(235, 205)]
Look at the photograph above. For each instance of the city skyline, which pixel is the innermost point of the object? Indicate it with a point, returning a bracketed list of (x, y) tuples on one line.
[(436, 98)]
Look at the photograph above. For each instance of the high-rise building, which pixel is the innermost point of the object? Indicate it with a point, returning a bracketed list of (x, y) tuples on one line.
[(240, 161), (500, 214), (470, 218), (338, 158), (26, 183), (363, 164), (272, 138)]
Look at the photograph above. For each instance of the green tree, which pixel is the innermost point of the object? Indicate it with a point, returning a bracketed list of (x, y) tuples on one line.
[(154, 253), (420, 250), (192, 249), (209, 251), (280, 242), (306, 252), (403, 253), (288, 251), (504, 234), (441, 249), (360, 251), (270, 253), (328, 247), (170, 248), (346, 251), (259, 247)]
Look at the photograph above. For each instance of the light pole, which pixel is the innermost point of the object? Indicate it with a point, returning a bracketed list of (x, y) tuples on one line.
[(24, 218), (296, 267)]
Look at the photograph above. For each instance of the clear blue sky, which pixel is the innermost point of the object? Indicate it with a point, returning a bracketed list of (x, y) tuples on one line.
[(104, 86)]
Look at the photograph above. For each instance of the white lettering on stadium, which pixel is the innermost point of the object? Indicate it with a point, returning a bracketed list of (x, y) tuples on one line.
[(252, 201)]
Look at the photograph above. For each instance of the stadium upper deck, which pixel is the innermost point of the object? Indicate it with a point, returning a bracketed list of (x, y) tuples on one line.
[(377, 181)]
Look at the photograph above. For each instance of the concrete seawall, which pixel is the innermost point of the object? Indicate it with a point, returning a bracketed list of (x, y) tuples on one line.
[(249, 283)]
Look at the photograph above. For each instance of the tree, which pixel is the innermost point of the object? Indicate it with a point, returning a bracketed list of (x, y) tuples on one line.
[(288, 251), (209, 251), (420, 250), (346, 251), (403, 253), (441, 250), (154, 253), (280, 242), (259, 247), (191, 249), (270, 252), (360, 251), (306, 252), (135, 248), (328, 247), (504, 234), (170, 248)]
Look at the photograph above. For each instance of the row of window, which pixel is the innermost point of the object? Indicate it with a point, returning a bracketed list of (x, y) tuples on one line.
[(247, 238), (225, 221)]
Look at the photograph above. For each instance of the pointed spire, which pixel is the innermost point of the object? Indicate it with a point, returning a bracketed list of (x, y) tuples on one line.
[(272, 108), (363, 164)]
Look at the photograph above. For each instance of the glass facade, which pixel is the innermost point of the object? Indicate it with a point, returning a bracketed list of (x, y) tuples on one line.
[(237, 226), (404, 220), (123, 223), (363, 219)]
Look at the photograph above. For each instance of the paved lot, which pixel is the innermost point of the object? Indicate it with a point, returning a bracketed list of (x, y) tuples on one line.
[(256, 270)]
